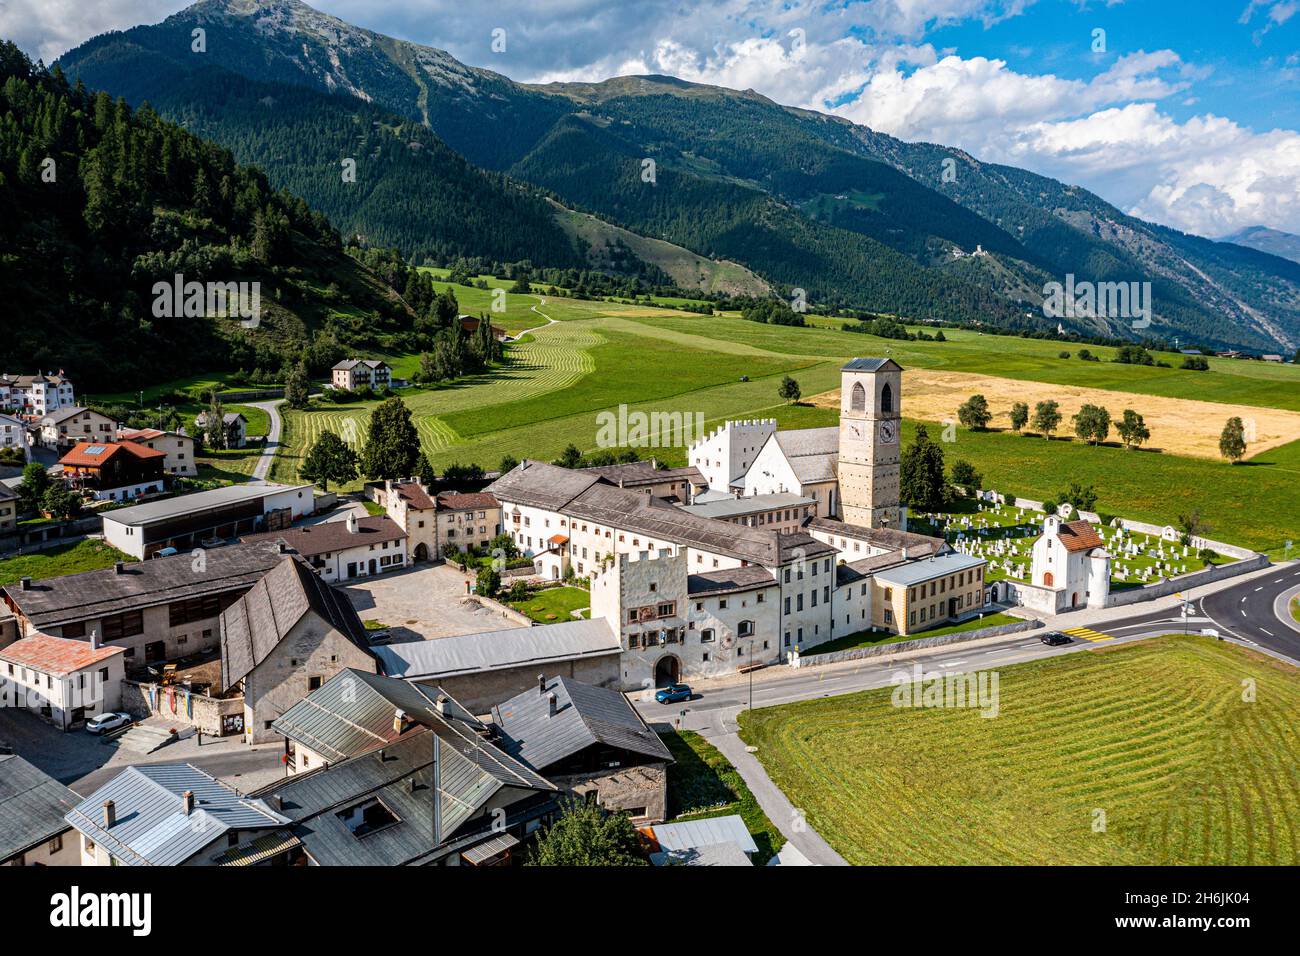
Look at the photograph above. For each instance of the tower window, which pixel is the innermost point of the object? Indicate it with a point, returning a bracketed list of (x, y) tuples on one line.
[(858, 399), (886, 399)]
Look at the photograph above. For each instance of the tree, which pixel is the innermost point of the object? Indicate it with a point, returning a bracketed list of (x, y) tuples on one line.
[(488, 582), (789, 389), (571, 457), (1019, 415), (1193, 525), (393, 445), (521, 284), (586, 835), (974, 413), (216, 423), (1132, 429), (1232, 443), (1092, 424), (922, 484), (329, 459), (424, 471), (1195, 363), (965, 475), (1047, 416), (296, 387), (508, 463), (1083, 499), (31, 490), (61, 503)]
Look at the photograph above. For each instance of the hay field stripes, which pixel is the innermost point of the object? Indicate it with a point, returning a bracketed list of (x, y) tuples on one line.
[(1156, 735)]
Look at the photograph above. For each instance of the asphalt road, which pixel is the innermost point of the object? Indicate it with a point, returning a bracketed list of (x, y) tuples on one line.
[(1251, 611), (263, 466)]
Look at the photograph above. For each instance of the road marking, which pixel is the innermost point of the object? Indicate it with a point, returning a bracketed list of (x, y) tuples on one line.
[(950, 663), (1088, 634), (1260, 588), (1267, 631)]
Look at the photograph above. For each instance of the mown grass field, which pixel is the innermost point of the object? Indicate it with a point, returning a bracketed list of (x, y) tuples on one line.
[(852, 642), (1155, 735), (553, 604), (599, 355), (87, 555)]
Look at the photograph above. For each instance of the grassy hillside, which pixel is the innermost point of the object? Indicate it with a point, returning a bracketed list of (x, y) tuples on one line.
[(1155, 735)]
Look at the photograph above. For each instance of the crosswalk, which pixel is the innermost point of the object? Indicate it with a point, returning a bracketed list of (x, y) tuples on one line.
[(1088, 634)]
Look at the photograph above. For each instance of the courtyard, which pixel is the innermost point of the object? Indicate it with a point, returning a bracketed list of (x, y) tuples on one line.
[(423, 603)]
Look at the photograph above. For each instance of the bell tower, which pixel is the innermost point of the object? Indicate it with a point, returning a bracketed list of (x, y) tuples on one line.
[(870, 399)]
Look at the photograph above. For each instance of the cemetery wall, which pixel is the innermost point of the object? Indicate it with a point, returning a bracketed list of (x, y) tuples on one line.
[(900, 648), (1183, 582)]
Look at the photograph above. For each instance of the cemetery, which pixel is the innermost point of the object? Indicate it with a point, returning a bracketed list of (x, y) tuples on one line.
[(1004, 534)]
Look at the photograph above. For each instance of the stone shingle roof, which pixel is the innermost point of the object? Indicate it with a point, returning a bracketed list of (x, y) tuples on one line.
[(813, 453), (32, 806), (327, 537), (254, 625), (728, 581), (476, 501)]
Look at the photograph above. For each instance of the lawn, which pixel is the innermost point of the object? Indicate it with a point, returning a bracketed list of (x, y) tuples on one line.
[(702, 783), (553, 604), (86, 555), (1171, 751), (1295, 610), (852, 642)]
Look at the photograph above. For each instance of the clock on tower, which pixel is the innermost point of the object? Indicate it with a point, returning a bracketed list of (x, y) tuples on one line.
[(870, 393)]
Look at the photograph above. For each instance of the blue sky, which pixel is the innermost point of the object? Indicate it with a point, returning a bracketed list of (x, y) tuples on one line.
[(1188, 117)]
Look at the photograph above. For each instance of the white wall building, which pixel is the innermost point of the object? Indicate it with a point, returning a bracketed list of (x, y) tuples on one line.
[(1069, 559), (36, 394), (64, 681), (725, 454), (13, 434)]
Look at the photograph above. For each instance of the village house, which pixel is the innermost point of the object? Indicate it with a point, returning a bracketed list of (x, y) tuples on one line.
[(114, 471), (219, 514), (236, 428), (8, 510), (921, 594), (436, 523), (178, 449), (176, 815), (470, 324), (782, 512), (414, 509), (65, 682), (33, 831), (409, 778), (64, 427), (467, 521), (36, 394), (591, 743), (671, 484), (153, 610), (1070, 560), (348, 549), (283, 638), (13, 434), (351, 375)]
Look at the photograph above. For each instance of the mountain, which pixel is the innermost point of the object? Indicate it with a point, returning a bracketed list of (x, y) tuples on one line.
[(101, 203), (855, 217), (1273, 241)]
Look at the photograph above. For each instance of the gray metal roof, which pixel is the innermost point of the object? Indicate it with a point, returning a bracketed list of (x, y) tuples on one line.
[(747, 505), (151, 828), (263, 616), (584, 715), (914, 572), (889, 539), (541, 485), (714, 854), (813, 453), (869, 365), (353, 712), (52, 602), (495, 650), (692, 834), (730, 580), (32, 806), (155, 511)]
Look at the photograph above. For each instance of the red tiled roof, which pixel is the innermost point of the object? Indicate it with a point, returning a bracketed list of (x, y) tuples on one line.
[(79, 456), (56, 655), (467, 502), (1079, 536), (138, 434), (558, 539), (415, 496)]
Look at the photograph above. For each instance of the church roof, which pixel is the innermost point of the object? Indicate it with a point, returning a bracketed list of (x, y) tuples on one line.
[(871, 365), (811, 452), (1079, 535)]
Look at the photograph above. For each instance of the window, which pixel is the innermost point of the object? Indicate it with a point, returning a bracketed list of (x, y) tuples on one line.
[(368, 817), (722, 604), (889, 594), (56, 843), (707, 636), (667, 610), (745, 629), (313, 683), (123, 625), (886, 400), (77, 629)]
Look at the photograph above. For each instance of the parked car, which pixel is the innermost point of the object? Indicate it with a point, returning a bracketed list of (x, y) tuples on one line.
[(673, 693), (106, 722), (1056, 638)]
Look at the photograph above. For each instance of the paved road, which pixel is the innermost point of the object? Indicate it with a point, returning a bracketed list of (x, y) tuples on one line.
[(1255, 610), (263, 466)]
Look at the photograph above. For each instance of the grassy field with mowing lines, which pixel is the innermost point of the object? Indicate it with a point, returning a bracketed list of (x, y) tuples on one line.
[(1155, 734)]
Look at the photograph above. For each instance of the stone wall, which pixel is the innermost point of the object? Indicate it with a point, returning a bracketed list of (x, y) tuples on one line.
[(208, 712), (1183, 582), (921, 643)]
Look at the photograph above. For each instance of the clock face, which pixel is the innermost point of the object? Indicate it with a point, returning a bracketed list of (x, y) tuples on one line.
[(888, 432)]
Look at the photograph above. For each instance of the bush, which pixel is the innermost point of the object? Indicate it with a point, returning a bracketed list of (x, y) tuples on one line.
[(1063, 354)]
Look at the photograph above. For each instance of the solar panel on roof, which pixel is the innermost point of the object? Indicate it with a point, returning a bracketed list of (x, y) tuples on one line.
[(95, 450)]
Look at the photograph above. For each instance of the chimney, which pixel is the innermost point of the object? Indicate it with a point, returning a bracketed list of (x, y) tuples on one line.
[(119, 567), (352, 523), (282, 547), (25, 584), (550, 704), (94, 639), (541, 683), (110, 814), (381, 755), (904, 554), (187, 802), (441, 705), (275, 802), (398, 719)]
